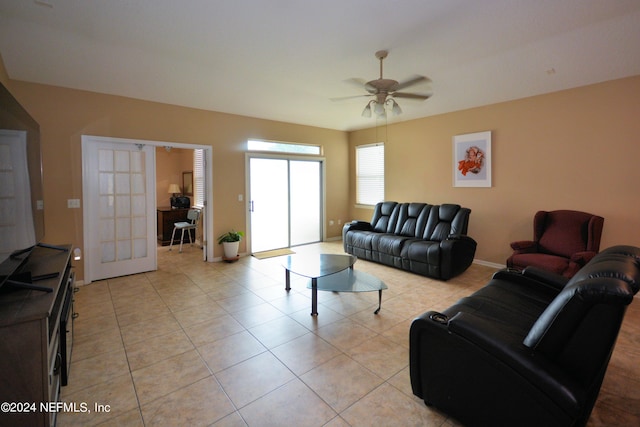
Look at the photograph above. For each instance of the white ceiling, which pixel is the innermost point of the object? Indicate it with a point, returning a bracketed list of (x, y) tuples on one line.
[(284, 59)]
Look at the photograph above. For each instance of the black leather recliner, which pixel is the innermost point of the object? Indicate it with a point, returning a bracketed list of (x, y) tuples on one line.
[(430, 240), (530, 348)]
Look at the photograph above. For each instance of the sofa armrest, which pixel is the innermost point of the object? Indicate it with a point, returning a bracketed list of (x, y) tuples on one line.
[(456, 255), (358, 225), (354, 225), (524, 246)]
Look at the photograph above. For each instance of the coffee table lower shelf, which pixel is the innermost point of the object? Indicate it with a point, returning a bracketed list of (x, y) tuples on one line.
[(348, 280)]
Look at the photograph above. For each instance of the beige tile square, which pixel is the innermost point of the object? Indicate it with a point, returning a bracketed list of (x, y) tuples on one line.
[(169, 375), (253, 378), (292, 301), (257, 315), (131, 418), (95, 370), (240, 302), (380, 322), (386, 406), (157, 348), (380, 355), (84, 325), (149, 328), (117, 392), (279, 331), (213, 330), (313, 323), (199, 404), (305, 353), (206, 310), (345, 334), (86, 346), (293, 404), (226, 290), (402, 381), (230, 350), (341, 381), (399, 333), (231, 420)]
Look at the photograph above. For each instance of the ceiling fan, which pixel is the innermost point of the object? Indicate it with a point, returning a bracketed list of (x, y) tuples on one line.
[(385, 90)]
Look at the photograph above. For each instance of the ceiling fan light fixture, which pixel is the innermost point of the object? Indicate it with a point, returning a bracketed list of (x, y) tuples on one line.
[(378, 108), (367, 110), (395, 108)]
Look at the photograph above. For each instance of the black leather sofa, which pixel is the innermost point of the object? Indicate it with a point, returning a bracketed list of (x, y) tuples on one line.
[(430, 240), (530, 348)]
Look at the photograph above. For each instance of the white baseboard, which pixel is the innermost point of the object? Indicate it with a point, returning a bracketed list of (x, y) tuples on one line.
[(489, 264)]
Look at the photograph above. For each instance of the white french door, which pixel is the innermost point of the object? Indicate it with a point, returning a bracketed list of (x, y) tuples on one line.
[(285, 202), (119, 207)]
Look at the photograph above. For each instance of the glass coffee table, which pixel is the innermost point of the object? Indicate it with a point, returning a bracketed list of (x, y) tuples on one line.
[(333, 273)]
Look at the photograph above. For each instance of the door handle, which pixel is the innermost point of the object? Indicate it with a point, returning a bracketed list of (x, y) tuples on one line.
[(251, 206)]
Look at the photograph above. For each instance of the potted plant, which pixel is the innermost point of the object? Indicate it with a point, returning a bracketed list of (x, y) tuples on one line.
[(230, 242)]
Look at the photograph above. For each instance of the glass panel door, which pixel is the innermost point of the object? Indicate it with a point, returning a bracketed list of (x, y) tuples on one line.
[(285, 205), (305, 202), (269, 204)]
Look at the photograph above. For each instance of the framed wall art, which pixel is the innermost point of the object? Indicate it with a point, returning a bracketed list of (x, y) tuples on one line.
[(472, 160)]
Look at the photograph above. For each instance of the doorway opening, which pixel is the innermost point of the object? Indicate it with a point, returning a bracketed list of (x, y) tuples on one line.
[(120, 199), (285, 201)]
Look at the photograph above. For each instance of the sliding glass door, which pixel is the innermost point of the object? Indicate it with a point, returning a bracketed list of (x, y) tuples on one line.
[(285, 202)]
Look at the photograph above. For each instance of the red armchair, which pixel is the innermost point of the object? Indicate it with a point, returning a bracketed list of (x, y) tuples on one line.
[(563, 242)]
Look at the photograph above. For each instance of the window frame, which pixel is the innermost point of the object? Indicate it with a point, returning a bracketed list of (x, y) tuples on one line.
[(359, 150)]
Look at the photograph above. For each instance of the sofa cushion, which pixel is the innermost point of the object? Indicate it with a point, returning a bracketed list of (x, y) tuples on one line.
[(388, 243), (412, 218), (384, 217), (508, 302), (444, 220), (553, 263)]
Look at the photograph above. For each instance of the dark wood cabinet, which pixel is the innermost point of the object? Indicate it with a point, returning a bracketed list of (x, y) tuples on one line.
[(34, 362), (166, 218)]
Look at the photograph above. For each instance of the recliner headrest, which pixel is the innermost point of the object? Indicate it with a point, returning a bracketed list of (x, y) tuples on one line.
[(618, 262), (611, 277)]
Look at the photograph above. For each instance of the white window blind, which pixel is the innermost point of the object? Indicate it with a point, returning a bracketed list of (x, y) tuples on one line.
[(370, 174), (198, 177)]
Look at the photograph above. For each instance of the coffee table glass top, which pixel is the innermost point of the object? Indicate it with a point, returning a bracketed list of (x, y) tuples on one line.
[(349, 280), (331, 272), (318, 265)]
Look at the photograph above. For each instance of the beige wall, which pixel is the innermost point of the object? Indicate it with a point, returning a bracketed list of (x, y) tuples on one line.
[(169, 168), (575, 149), (64, 115)]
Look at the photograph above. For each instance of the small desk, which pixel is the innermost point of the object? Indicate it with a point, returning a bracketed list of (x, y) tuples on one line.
[(168, 216), (329, 272)]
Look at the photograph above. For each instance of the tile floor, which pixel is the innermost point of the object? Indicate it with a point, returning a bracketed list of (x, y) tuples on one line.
[(217, 344)]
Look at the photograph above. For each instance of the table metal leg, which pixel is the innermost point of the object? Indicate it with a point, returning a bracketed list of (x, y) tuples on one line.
[(314, 296), (287, 280), (379, 302)]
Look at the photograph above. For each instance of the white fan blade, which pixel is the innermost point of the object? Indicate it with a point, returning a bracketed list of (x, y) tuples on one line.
[(410, 96), (412, 81)]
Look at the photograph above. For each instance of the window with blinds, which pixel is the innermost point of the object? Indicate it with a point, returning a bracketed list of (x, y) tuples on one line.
[(198, 177), (370, 174)]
